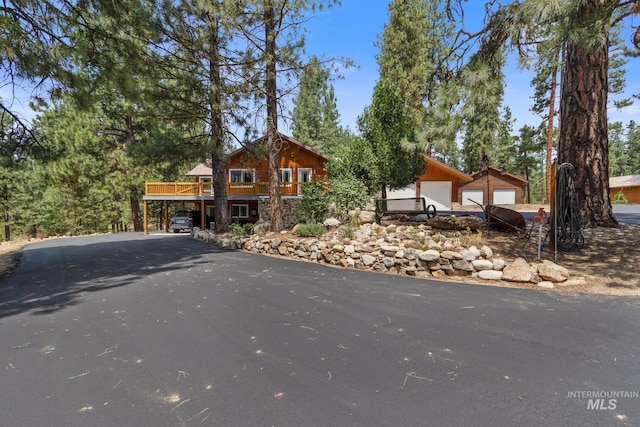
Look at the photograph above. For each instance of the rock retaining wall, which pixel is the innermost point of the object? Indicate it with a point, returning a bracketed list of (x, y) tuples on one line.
[(290, 214), (416, 251)]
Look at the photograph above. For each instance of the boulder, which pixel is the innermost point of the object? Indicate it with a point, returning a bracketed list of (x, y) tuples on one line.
[(482, 264), (518, 271), (331, 223), (490, 275), (367, 217), (552, 272), (368, 260), (446, 222)]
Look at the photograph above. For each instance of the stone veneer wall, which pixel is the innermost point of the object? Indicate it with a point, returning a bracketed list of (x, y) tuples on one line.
[(289, 212)]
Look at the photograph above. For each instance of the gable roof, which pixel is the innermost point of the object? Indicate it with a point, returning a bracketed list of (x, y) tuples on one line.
[(624, 181), (499, 172), (450, 170), (284, 138), (204, 169)]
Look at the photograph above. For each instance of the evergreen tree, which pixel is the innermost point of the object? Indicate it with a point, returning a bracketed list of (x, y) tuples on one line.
[(582, 29), (387, 127), (315, 120), (633, 148), (414, 53), (529, 146), (483, 81), (272, 29), (618, 156), (403, 56)]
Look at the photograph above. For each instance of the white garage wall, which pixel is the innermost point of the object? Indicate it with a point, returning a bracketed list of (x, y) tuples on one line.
[(437, 193)]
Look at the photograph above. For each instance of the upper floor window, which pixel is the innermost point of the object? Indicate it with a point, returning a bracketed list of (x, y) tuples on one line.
[(241, 175), (285, 175)]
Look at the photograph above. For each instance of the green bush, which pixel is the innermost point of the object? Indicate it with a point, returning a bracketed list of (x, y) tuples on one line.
[(314, 203), (311, 229), (347, 193), (620, 198), (236, 229)]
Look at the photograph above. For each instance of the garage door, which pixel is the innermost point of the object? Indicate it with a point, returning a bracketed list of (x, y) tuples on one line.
[(437, 193), (506, 196), (475, 196)]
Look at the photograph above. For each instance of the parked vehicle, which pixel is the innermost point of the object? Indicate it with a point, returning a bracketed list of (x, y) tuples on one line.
[(182, 220)]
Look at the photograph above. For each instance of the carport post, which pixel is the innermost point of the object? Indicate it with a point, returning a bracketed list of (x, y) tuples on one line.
[(145, 225), (203, 224)]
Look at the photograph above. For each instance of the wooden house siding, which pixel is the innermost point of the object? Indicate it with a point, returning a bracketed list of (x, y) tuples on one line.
[(438, 171), (497, 181), (629, 186), (242, 196)]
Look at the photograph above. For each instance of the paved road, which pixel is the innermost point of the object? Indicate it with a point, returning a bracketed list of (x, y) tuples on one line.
[(132, 330), (625, 214)]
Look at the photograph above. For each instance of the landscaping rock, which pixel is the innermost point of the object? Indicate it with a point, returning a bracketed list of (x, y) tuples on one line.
[(518, 271), (546, 285), (397, 250), (490, 275), (552, 272), (482, 264)]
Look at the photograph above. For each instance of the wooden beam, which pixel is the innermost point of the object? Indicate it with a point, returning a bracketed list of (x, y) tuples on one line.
[(203, 223), (145, 224)]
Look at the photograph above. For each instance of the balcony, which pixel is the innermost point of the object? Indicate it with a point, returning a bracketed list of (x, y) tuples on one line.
[(194, 190)]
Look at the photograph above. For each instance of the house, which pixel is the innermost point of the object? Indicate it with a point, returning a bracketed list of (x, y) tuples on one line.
[(439, 185), (247, 181), (492, 186), (629, 186)]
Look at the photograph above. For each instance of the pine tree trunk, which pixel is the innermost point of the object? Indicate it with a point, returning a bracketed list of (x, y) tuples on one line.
[(273, 140), (219, 179), (552, 106), (583, 130), (135, 211)]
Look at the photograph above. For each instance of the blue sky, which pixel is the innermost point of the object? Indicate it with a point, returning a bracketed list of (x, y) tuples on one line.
[(352, 29)]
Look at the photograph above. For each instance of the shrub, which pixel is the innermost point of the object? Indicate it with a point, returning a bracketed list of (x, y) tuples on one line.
[(348, 229), (314, 203), (620, 198), (311, 229), (348, 193), (236, 229)]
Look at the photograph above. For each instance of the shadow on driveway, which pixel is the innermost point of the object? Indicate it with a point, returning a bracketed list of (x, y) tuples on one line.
[(57, 273)]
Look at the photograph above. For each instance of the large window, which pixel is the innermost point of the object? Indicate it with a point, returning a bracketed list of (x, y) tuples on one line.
[(239, 211), (241, 175)]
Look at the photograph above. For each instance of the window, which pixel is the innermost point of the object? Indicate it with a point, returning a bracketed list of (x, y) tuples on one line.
[(304, 175), (285, 175), (239, 211), (241, 175)]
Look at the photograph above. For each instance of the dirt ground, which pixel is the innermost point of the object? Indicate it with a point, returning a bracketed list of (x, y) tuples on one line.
[(609, 261)]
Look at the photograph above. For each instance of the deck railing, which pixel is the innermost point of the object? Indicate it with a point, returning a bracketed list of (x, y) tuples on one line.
[(177, 189)]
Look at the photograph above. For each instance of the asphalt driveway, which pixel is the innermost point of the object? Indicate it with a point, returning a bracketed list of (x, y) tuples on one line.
[(164, 330)]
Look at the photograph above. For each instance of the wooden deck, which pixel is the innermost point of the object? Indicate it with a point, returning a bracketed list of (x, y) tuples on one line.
[(203, 189)]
